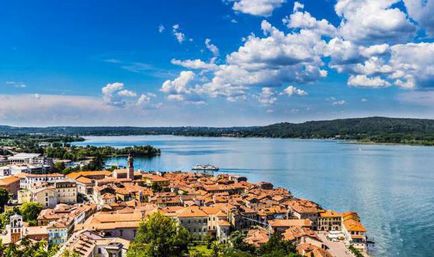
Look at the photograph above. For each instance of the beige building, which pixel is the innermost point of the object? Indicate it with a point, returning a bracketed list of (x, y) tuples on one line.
[(329, 221), (49, 195), (354, 231)]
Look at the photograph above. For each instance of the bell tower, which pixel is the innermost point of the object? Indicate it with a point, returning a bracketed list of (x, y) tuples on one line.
[(16, 226), (130, 173)]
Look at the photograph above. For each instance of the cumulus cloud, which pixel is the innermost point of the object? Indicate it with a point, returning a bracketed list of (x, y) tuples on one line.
[(422, 12), (195, 64), (304, 20), (182, 88), (370, 22), (267, 96), (116, 95), (161, 28), (257, 7), (291, 90), (365, 81), (180, 37), (273, 60)]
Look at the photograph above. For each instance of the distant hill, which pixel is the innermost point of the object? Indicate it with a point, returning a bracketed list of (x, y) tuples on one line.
[(372, 129)]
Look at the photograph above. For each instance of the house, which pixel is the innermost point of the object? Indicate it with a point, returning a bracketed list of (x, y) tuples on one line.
[(257, 237), (113, 224), (299, 235), (10, 184), (303, 209), (280, 225), (194, 219), (329, 220), (90, 244), (50, 194), (354, 231), (29, 180), (310, 250)]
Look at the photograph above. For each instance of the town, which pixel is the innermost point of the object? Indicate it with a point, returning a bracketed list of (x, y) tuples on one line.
[(98, 213)]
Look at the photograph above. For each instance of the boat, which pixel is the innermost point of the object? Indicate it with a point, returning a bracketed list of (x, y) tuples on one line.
[(207, 167)]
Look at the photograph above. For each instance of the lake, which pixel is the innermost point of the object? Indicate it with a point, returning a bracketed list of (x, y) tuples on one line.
[(390, 186)]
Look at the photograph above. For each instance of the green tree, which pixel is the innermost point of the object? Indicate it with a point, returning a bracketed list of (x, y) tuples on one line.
[(160, 236), (4, 198), (59, 166), (30, 211), (4, 218)]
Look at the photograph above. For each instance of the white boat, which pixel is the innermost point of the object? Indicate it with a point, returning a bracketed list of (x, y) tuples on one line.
[(207, 167)]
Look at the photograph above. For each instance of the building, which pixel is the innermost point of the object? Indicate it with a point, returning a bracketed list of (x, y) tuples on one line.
[(10, 184), (354, 231), (50, 194), (194, 219), (280, 225), (329, 220), (113, 224), (28, 180), (90, 244)]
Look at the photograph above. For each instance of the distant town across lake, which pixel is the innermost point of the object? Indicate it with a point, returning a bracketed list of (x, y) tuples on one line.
[(390, 186)]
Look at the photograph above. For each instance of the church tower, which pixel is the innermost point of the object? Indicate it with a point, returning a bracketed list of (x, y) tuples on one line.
[(16, 227), (130, 173)]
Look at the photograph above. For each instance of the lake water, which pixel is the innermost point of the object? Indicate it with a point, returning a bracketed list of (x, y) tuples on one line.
[(390, 186)]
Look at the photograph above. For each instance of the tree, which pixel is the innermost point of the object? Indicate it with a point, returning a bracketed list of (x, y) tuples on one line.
[(4, 198), (30, 211), (59, 166), (276, 247), (160, 236)]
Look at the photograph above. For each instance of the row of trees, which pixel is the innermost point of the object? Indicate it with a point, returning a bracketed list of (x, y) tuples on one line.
[(161, 236), (77, 153)]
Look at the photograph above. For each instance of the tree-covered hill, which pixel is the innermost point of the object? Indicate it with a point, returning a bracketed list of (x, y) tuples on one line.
[(372, 129)]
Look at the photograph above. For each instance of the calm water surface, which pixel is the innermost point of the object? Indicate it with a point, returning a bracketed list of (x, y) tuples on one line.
[(391, 187)]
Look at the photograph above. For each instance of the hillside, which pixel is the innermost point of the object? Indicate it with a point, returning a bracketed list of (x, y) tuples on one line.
[(372, 129)]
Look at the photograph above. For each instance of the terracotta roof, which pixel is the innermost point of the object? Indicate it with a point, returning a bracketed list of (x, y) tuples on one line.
[(257, 237), (310, 250), (290, 223), (191, 212), (330, 214), (8, 180)]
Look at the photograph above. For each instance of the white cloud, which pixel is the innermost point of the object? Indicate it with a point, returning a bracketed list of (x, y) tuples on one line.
[(298, 6), (267, 96), (422, 12), (127, 93), (369, 21), (161, 28), (339, 102), (196, 64), (180, 37), (413, 65), (181, 88), (257, 7), (273, 60), (211, 47), (115, 94), (291, 90), (365, 81), (304, 20), (16, 84)]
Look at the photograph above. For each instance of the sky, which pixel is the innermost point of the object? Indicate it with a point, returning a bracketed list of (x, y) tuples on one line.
[(214, 62)]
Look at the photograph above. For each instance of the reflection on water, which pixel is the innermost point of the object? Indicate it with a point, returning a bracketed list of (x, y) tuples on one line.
[(392, 187)]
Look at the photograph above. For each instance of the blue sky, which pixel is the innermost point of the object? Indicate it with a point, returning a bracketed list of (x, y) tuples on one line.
[(214, 63)]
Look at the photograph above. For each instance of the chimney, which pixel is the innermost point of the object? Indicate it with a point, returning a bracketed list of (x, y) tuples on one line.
[(130, 173)]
